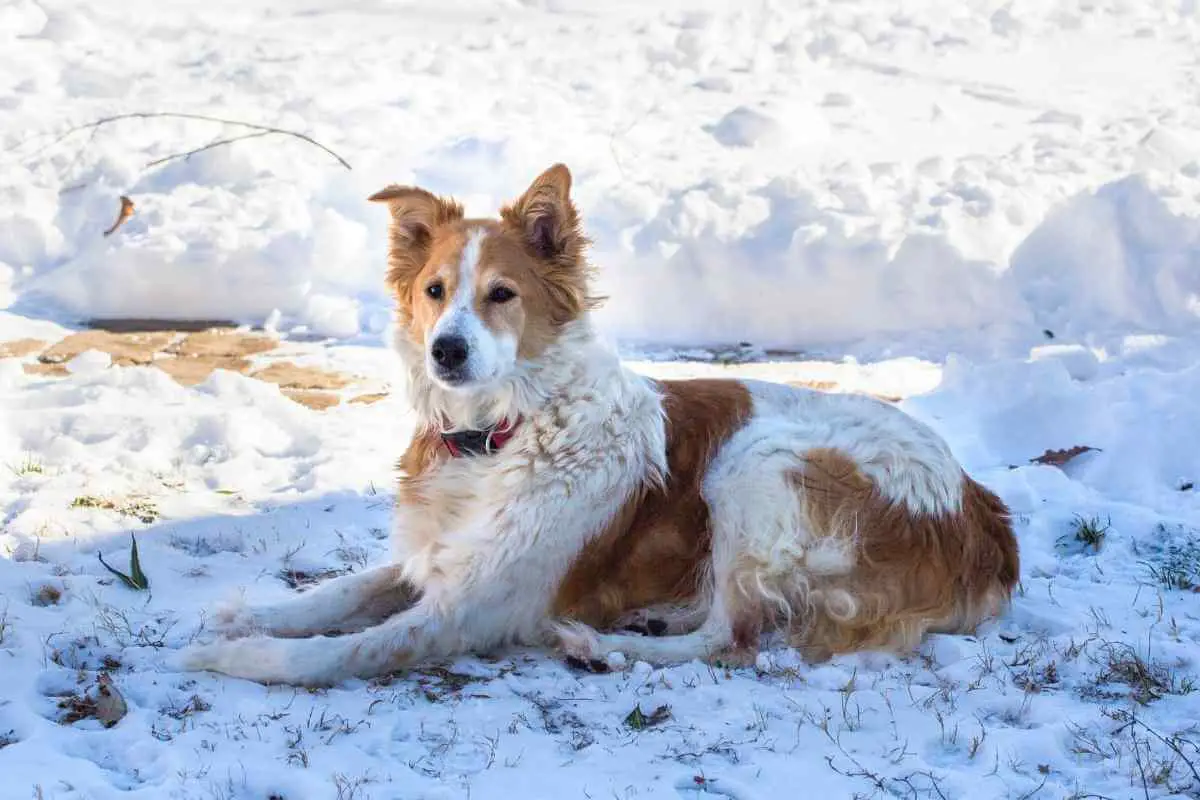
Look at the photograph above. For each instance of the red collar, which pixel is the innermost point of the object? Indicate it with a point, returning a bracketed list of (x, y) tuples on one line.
[(478, 443)]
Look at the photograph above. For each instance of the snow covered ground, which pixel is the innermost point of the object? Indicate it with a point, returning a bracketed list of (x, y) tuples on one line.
[(989, 211)]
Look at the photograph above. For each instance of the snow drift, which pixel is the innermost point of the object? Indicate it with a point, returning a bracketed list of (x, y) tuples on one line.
[(791, 178)]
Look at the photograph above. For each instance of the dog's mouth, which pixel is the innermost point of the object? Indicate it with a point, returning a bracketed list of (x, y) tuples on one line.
[(457, 364), (454, 378), (458, 378)]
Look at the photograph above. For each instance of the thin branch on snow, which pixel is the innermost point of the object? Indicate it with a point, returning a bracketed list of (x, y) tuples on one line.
[(263, 130), (209, 146), (1173, 743)]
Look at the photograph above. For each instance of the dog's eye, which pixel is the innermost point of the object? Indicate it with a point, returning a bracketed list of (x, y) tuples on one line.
[(435, 290), (501, 294)]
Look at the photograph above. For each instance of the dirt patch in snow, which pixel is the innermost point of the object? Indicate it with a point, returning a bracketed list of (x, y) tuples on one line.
[(190, 371), (126, 349), (318, 401), (189, 357), (220, 343), (21, 348), (293, 376)]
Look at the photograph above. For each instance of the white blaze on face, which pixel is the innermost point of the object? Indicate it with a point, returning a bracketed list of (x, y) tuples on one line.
[(487, 354)]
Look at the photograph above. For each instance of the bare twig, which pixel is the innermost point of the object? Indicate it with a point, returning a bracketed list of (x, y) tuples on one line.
[(262, 129), (1137, 757), (1028, 795), (209, 146), (1173, 743), (883, 784)]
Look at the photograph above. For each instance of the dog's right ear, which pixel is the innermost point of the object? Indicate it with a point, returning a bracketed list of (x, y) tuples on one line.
[(547, 219), (416, 214)]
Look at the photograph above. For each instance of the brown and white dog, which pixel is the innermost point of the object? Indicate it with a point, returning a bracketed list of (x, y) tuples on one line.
[(552, 497)]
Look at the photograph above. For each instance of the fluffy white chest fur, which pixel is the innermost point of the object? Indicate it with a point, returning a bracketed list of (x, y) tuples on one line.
[(594, 437)]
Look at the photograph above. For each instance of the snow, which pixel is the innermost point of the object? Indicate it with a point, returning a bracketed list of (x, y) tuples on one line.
[(89, 361), (1118, 259), (988, 210), (881, 168), (247, 486)]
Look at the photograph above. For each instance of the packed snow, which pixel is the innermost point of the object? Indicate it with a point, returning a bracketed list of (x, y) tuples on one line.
[(988, 212)]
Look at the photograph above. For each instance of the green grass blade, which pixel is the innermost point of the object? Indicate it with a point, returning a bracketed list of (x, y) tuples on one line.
[(135, 567), (136, 579), (124, 578)]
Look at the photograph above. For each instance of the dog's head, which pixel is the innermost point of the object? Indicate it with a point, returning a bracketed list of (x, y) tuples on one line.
[(478, 296)]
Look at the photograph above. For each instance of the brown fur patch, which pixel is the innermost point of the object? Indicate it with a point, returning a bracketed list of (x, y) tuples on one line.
[(425, 451), (416, 214), (548, 296), (437, 508), (443, 254), (912, 572), (546, 222), (658, 548)]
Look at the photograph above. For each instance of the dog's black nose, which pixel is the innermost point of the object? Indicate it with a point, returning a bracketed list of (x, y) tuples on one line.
[(449, 352)]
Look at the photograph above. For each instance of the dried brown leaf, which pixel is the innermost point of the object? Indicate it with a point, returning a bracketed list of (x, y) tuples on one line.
[(1057, 458), (122, 216), (105, 704)]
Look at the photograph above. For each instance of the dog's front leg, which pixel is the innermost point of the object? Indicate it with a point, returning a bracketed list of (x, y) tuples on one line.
[(495, 592), (493, 604), (346, 603), (321, 660), (445, 624)]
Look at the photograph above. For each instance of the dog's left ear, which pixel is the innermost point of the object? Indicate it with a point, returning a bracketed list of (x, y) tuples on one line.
[(416, 215), (546, 218), (416, 212)]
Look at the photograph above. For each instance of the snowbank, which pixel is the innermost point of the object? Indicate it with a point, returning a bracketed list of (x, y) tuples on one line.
[(812, 178), (1118, 259)]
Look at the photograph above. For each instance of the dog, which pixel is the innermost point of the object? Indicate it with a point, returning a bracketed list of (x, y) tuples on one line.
[(553, 498)]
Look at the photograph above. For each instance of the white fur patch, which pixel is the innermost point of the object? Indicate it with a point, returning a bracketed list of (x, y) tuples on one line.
[(907, 461)]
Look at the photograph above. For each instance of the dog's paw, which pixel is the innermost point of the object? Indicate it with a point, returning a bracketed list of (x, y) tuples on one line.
[(577, 641), (582, 649), (251, 657), (196, 658), (258, 658), (735, 658), (235, 619)]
